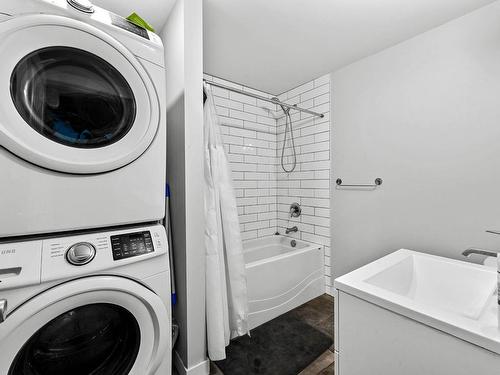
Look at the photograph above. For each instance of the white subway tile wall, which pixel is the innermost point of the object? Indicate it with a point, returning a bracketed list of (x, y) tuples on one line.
[(248, 128), (309, 183), (253, 134)]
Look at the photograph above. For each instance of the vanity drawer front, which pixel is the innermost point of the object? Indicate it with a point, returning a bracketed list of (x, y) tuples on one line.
[(373, 340)]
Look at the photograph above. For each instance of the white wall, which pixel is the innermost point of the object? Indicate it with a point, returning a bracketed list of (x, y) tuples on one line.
[(277, 45), (424, 116), (182, 38)]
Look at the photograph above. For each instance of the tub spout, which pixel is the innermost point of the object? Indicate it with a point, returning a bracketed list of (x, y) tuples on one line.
[(292, 229)]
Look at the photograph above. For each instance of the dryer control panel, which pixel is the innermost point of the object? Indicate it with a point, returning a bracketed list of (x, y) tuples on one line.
[(47, 259), (97, 252), (122, 23), (131, 244)]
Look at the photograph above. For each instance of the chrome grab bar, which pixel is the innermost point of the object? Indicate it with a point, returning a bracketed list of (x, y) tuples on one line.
[(377, 183)]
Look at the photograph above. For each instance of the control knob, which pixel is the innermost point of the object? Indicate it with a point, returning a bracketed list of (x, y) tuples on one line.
[(80, 253)]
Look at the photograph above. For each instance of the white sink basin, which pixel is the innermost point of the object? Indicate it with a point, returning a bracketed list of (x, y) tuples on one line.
[(439, 283), (450, 295)]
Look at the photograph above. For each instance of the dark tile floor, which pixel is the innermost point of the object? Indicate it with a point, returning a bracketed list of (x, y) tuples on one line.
[(319, 314)]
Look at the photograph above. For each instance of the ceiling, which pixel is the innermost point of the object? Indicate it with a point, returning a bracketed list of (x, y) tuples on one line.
[(275, 45), (154, 12)]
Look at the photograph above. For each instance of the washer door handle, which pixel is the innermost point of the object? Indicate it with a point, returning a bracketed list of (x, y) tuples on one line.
[(3, 310)]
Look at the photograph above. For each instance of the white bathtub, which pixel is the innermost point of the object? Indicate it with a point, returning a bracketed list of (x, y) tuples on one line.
[(281, 277)]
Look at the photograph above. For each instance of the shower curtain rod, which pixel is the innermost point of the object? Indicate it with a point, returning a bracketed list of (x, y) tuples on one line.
[(260, 97)]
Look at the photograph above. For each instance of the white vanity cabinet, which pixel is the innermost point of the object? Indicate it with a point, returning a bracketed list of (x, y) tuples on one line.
[(374, 341), (415, 314)]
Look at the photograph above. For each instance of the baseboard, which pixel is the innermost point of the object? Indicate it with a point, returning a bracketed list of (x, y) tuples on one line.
[(202, 368), (329, 290)]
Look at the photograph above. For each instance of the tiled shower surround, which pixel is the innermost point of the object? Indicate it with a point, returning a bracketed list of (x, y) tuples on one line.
[(309, 183), (253, 133)]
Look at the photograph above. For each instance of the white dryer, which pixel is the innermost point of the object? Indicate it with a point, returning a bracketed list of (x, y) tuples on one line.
[(94, 303), (82, 119)]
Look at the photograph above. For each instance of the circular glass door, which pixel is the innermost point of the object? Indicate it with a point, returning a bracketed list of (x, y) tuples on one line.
[(97, 339), (73, 97), (99, 325)]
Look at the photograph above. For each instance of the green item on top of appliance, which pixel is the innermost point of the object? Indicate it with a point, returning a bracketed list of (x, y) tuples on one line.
[(139, 21)]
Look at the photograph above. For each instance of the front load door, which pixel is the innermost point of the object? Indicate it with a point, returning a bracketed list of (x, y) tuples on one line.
[(99, 325), (73, 99)]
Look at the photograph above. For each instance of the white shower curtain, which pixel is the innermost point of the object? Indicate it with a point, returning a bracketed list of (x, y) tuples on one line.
[(226, 287)]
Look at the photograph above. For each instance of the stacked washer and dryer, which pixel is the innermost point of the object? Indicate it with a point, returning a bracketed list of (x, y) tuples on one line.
[(84, 269)]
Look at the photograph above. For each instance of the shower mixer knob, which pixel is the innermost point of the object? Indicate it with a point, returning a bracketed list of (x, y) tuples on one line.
[(295, 210)]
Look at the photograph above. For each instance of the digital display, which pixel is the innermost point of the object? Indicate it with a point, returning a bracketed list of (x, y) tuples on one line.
[(122, 23), (131, 244)]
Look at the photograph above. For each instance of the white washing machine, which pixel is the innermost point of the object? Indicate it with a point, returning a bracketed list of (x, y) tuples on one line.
[(82, 119), (94, 303)]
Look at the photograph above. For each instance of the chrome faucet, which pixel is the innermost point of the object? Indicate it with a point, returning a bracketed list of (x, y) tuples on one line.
[(292, 229), (472, 250)]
